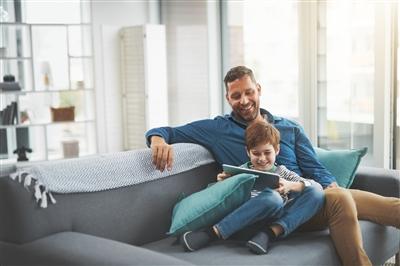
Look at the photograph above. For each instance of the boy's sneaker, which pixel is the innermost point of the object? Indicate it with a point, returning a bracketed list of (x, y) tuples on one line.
[(259, 243), (194, 240)]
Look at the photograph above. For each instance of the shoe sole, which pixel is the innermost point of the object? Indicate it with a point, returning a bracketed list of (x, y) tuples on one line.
[(187, 247), (256, 248)]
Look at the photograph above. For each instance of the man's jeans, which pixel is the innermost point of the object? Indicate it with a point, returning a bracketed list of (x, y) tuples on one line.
[(268, 205)]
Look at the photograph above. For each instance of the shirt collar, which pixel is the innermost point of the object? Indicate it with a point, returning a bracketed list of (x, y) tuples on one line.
[(267, 116)]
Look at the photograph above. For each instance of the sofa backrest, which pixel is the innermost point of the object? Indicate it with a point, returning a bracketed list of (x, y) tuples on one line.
[(136, 214)]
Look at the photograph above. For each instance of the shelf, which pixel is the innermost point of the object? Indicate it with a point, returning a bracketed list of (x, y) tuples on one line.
[(6, 164), (57, 157), (44, 24), (47, 124), (13, 92), (15, 58), (45, 91), (53, 63), (29, 58), (80, 56)]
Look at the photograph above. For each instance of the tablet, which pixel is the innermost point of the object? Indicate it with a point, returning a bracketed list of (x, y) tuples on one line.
[(265, 179)]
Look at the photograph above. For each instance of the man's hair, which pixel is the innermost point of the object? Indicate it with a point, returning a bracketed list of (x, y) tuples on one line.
[(237, 73), (261, 133)]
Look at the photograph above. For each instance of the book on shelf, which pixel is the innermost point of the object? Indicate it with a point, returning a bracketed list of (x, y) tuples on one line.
[(9, 115), (3, 144), (14, 113), (6, 114)]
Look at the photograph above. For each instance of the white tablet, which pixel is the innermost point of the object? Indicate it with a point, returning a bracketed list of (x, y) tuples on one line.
[(265, 179)]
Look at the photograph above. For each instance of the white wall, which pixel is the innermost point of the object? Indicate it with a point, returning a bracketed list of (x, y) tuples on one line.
[(107, 18), (193, 61)]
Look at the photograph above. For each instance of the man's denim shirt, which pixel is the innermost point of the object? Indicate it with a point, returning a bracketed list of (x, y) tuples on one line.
[(223, 136)]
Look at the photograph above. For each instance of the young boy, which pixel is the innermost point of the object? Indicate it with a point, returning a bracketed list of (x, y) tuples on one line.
[(294, 202)]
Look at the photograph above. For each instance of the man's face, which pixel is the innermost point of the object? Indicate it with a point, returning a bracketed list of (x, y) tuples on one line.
[(243, 96)]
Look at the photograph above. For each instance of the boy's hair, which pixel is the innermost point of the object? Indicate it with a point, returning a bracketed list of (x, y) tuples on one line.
[(237, 73), (261, 133)]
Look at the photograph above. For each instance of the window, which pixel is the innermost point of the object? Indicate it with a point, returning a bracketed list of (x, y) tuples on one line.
[(347, 75), (356, 65), (327, 64), (187, 60), (263, 35), (396, 95)]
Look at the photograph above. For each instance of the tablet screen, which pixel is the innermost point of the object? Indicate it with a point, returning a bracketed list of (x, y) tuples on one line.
[(265, 179)]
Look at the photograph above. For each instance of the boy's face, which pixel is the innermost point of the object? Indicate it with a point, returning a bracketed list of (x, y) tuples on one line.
[(263, 156)]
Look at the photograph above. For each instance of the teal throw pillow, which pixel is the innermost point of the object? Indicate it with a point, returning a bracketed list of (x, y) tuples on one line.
[(210, 205), (341, 163)]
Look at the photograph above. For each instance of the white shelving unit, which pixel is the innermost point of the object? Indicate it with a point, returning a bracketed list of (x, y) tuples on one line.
[(53, 64)]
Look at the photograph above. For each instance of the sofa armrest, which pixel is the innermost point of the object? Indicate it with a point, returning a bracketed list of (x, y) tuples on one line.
[(381, 181)]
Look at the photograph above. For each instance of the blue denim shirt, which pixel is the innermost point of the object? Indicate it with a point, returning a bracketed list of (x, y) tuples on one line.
[(223, 136)]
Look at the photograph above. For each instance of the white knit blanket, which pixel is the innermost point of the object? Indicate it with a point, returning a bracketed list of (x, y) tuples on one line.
[(104, 172)]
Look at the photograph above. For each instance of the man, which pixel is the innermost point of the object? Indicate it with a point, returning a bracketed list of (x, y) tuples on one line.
[(223, 136)]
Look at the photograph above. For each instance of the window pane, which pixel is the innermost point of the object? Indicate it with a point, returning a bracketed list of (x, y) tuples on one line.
[(14, 41), (79, 40), (346, 75), (187, 64), (397, 101), (51, 57), (70, 140), (263, 35), (55, 12)]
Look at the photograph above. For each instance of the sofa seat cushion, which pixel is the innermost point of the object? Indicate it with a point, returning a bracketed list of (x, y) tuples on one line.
[(71, 248), (310, 248)]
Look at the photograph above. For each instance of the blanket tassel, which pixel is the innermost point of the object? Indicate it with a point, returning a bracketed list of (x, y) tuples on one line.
[(43, 203)]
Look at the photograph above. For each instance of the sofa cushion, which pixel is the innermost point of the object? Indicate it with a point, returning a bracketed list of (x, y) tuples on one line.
[(341, 163), (208, 206), (70, 248), (314, 248), (309, 248)]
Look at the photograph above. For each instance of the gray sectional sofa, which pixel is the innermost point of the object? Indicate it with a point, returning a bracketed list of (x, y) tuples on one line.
[(127, 226)]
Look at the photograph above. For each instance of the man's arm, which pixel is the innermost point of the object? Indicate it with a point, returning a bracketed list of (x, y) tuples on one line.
[(201, 132), (308, 162)]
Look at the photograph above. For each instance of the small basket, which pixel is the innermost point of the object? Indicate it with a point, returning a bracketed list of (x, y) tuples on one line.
[(62, 114)]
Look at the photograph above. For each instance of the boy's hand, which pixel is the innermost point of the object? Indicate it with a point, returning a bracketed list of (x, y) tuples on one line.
[(162, 153), (284, 186), (332, 185), (222, 176)]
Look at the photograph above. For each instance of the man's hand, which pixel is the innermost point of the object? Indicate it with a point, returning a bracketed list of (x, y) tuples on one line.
[(332, 185), (162, 153)]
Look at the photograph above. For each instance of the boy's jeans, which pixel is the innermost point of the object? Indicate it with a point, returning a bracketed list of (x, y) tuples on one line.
[(269, 205)]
